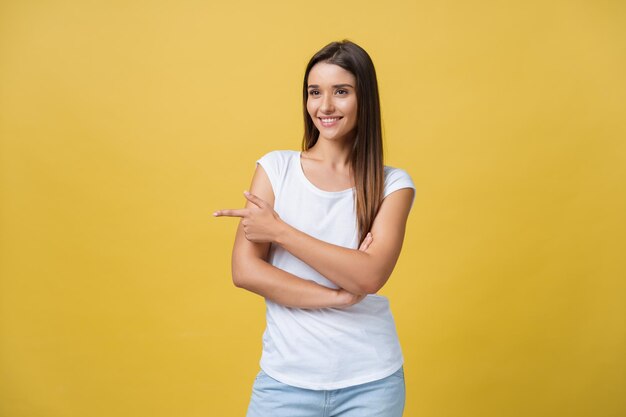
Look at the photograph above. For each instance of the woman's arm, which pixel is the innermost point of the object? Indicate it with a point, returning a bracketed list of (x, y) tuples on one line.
[(251, 271), (357, 271)]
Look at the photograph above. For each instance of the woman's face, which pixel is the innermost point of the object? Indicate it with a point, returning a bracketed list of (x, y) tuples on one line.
[(331, 101)]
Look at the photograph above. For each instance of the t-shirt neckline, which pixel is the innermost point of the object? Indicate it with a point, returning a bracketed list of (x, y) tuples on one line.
[(313, 186)]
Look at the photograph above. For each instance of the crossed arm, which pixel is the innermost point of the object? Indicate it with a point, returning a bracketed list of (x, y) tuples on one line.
[(356, 272)]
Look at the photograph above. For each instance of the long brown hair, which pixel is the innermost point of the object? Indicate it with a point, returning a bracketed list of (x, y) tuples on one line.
[(366, 157)]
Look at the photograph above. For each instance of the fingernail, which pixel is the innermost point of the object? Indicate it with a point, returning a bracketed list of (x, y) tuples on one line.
[(246, 192)]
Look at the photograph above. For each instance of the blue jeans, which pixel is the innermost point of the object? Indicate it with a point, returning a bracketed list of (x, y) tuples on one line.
[(382, 398)]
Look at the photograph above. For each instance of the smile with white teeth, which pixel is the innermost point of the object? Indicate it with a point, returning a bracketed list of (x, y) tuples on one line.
[(329, 120)]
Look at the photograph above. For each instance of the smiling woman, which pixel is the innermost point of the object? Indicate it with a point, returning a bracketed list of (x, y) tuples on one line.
[(320, 235)]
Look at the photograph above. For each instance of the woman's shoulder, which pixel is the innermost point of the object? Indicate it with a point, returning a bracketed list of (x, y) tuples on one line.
[(396, 179), (276, 165), (279, 155), (395, 173), (276, 162)]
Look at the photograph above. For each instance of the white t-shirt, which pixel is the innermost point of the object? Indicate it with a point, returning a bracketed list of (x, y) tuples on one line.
[(326, 348)]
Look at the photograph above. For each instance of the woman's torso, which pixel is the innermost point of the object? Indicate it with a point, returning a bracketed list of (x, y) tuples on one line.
[(326, 348)]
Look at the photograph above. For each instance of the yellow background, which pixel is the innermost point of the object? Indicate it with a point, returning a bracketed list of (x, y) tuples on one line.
[(125, 124)]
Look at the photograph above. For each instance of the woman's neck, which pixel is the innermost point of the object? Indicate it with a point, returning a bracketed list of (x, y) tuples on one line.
[(331, 153)]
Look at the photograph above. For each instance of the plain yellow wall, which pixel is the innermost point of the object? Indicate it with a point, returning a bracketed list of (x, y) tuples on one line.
[(125, 124)]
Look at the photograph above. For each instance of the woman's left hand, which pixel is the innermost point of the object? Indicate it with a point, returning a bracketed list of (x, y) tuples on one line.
[(260, 222)]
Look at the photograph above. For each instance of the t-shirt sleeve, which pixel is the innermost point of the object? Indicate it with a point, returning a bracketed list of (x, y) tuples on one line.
[(271, 163), (396, 179)]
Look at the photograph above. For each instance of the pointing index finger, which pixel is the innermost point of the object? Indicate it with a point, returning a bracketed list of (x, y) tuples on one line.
[(230, 213)]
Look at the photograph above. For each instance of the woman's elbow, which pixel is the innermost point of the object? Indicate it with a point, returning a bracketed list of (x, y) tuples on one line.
[(237, 281), (371, 287), (374, 284), (238, 272)]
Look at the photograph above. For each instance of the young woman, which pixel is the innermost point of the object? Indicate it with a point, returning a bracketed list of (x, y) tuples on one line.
[(330, 347)]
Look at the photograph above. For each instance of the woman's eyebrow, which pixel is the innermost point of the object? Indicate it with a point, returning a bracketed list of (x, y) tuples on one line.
[(334, 86)]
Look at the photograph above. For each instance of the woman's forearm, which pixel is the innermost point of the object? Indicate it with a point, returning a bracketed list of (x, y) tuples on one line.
[(350, 269), (281, 287)]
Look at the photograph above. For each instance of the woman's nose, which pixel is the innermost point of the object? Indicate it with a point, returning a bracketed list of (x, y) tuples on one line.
[(327, 104)]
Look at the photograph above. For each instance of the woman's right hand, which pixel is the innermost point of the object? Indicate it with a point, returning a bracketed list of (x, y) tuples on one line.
[(347, 299), (366, 242)]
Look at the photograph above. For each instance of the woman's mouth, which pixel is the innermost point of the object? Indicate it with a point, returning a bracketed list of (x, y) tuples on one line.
[(329, 121)]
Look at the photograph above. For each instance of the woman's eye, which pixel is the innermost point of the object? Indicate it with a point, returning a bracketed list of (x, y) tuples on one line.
[(316, 92)]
